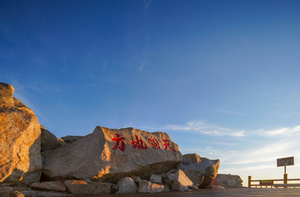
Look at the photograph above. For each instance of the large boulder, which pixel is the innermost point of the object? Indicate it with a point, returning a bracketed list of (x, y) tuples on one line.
[(111, 154), (230, 181), (49, 140), (20, 141), (200, 170), (181, 181)]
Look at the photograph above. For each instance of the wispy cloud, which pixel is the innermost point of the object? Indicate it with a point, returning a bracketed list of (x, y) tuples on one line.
[(205, 128), (286, 131), (143, 63)]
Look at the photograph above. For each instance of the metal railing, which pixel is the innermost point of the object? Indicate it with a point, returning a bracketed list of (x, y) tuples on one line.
[(273, 183)]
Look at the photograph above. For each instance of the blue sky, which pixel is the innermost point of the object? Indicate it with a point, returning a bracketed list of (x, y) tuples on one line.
[(220, 77)]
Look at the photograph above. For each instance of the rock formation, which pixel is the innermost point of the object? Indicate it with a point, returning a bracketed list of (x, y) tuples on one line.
[(49, 140), (200, 170), (20, 141), (111, 154), (106, 161), (228, 181)]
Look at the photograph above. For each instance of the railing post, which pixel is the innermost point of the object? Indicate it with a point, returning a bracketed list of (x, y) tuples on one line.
[(249, 181)]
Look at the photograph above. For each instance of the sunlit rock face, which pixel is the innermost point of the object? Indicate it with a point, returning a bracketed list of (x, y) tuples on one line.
[(200, 170), (111, 154), (20, 141), (229, 181)]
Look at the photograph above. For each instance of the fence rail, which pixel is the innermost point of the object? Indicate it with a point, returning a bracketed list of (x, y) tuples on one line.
[(271, 183)]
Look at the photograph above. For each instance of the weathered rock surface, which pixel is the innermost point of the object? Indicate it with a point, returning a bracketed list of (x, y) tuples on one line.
[(20, 141), (181, 181), (77, 187), (103, 188), (126, 186), (201, 173), (71, 138), (156, 179), (6, 191), (111, 154), (229, 181), (49, 140), (6, 94), (149, 187), (57, 186)]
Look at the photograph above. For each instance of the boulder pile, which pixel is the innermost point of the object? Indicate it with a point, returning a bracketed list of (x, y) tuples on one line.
[(34, 162)]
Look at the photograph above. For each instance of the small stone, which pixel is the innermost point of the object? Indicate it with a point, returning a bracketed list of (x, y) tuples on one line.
[(126, 186), (149, 187), (49, 186), (103, 188), (155, 179), (77, 187), (18, 194)]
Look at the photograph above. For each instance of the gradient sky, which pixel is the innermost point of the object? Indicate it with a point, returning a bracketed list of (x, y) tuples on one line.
[(222, 78)]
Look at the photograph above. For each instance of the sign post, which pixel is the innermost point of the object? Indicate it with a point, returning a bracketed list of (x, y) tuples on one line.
[(287, 161)]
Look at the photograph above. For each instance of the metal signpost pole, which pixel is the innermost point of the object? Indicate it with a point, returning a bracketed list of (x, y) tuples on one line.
[(285, 177), (285, 162)]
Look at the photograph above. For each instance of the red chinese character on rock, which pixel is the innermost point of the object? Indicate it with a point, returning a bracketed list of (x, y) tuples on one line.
[(118, 139), (167, 145), (138, 143), (153, 143)]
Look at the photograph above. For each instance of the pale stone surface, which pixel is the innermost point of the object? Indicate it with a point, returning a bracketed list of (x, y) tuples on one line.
[(126, 186), (104, 160), (71, 138), (155, 179), (49, 140), (102, 188), (202, 173), (20, 141), (181, 182), (230, 181), (77, 187), (57, 186), (191, 158), (149, 187)]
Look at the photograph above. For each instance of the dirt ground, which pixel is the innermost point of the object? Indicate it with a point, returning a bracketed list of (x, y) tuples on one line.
[(275, 192)]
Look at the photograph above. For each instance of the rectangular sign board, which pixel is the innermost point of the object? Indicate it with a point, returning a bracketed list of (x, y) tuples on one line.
[(288, 161), (266, 182)]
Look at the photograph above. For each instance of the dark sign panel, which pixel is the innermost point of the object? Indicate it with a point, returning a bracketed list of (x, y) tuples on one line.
[(288, 161), (266, 182)]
